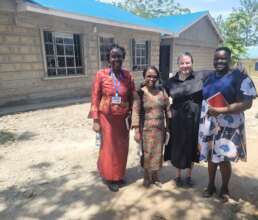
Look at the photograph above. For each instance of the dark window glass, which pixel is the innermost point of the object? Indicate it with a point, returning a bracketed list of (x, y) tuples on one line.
[(79, 70), (60, 49), (68, 41), (59, 40), (61, 71), (61, 61), (49, 49), (70, 61), (69, 50), (51, 61), (48, 37), (51, 72), (71, 71)]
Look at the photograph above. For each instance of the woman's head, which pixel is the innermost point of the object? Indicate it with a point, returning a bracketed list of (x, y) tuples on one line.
[(115, 56), (222, 59), (185, 63), (151, 76)]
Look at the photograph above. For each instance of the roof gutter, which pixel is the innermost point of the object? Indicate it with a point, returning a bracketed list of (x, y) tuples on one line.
[(30, 7)]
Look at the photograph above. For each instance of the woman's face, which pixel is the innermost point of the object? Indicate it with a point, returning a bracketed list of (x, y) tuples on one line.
[(151, 77), (185, 65), (221, 61), (116, 59)]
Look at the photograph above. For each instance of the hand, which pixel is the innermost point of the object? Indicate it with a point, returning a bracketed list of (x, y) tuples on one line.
[(96, 126), (137, 135), (215, 111)]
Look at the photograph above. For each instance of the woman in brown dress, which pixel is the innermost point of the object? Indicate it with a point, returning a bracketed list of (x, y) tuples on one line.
[(151, 111)]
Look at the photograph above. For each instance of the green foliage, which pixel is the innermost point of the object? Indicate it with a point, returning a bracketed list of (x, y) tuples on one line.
[(151, 8), (240, 28)]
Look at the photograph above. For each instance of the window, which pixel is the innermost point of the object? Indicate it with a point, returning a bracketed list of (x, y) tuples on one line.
[(141, 56), (104, 44), (63, 54), (256, 66)]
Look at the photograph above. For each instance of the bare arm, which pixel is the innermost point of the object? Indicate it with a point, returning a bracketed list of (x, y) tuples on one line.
[(232, 108)]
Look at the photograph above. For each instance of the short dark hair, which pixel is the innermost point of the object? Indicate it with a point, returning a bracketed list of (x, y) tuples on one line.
[(185, 54), (225, 49), (113, 46), (152, 68)]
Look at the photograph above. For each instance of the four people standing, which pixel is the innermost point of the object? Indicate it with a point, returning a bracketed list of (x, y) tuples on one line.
[(221, 131)]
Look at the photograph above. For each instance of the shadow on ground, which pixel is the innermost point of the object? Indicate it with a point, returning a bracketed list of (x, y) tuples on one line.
[(9, 137), (49, 198)]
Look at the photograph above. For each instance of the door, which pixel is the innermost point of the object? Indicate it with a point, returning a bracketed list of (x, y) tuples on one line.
[(164, 61)]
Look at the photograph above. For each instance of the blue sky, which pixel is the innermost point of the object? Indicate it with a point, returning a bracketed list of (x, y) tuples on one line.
[(215, 7)]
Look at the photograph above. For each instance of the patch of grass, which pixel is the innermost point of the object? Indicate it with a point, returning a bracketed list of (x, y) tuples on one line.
[(6, 136)]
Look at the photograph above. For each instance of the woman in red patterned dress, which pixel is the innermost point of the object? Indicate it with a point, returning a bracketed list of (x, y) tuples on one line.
[(112, 95)]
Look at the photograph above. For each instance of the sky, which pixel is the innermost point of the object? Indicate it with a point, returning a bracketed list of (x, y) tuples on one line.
[(215, 7)]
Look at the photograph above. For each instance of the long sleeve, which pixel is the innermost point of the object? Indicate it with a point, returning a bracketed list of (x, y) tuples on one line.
[(167, 106), (95, 97), (132, 93), (136, 111)]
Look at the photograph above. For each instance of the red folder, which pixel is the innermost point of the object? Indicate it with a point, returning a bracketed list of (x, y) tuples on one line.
[(217, 100)]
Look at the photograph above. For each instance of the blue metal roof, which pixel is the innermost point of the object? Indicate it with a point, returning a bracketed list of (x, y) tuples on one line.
[(96, 9), (178, 23), (172, 24)]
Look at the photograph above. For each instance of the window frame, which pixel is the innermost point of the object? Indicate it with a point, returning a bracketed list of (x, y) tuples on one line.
[(103, 35), (80, 54), (140, 54)]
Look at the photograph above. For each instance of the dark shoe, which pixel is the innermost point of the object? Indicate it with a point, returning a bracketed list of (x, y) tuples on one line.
[(208, 192), (179, 182), (114, 187), (189, 182), (121, 183)]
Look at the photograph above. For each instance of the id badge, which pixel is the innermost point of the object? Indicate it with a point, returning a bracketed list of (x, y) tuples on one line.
[(116, 100)]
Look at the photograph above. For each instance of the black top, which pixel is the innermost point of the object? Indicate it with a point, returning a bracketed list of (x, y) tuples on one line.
[(189, 89)]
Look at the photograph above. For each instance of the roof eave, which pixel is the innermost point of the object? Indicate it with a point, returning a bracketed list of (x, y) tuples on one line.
[(212, 22), (169, 36), (215, 27), (29, 7)]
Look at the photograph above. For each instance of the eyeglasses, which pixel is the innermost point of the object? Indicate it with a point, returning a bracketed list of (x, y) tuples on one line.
[(152, 77)]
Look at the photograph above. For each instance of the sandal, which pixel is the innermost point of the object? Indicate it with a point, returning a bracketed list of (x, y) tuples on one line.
[(224, 195)]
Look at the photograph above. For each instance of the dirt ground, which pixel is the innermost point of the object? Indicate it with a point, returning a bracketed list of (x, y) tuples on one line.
[(48, 171)]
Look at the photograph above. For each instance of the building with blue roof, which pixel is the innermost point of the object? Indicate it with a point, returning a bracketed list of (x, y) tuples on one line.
[(51, 49)]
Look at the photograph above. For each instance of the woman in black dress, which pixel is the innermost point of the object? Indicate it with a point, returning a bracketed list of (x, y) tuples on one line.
[(185, 88)]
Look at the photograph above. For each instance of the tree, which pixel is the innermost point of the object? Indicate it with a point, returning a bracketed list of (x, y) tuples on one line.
[(151, 8), (249, 10), (239, 29)]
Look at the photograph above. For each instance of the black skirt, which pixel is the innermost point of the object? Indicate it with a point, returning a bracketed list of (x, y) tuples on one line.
[(182, 148)]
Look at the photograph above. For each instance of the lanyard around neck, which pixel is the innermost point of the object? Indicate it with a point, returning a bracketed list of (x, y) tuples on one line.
[(116, 83)]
